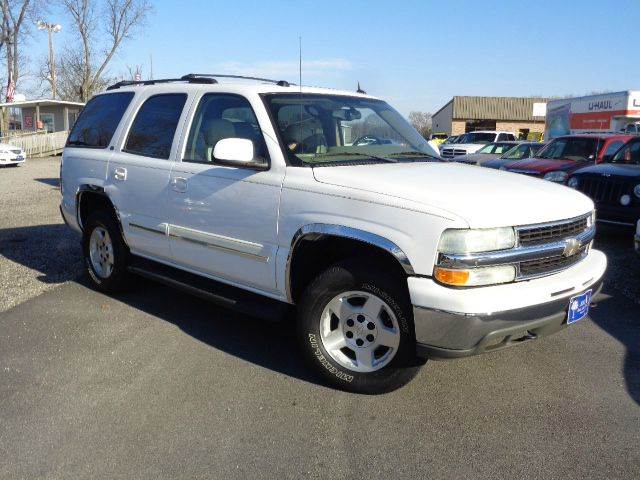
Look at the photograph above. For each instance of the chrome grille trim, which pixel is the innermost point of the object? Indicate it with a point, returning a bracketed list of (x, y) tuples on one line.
[(548, 257)]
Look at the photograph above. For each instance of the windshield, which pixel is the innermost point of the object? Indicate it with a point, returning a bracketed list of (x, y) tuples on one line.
[(336, 129), (496, 148), (477, 137), (629, 154), (578, 149)]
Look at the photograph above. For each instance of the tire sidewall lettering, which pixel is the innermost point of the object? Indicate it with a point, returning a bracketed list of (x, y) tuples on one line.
[(317, 352)]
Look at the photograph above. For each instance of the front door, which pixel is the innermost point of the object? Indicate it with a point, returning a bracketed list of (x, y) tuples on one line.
[(139, 172), (223, 220)]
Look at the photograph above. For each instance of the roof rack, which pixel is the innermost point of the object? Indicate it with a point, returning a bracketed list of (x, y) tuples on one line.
[(128, 83), (193, 76), (206, 78)]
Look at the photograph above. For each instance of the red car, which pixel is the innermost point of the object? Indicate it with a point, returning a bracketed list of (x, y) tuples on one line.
[(557, 159)]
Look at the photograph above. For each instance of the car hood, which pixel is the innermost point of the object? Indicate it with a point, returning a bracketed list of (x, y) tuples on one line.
[(476, 157), (472, 147), (482, 197), (544, 165), (606, 169), (498, 162)]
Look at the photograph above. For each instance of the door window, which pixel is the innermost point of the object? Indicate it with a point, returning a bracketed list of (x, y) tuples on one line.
[(98, 120), (221, 116), (154, 127)]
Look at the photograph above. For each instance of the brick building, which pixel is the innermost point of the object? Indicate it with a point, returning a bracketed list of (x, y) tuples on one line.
[(468, 114)]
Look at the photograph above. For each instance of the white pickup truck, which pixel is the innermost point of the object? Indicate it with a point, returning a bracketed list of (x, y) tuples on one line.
[(471, 142), (258, 195)]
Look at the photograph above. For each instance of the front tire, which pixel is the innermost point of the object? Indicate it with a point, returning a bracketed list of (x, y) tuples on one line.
[(355, 326), (106, 256)]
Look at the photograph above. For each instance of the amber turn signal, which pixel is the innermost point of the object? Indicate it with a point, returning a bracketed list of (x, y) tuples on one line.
[(452, 277)]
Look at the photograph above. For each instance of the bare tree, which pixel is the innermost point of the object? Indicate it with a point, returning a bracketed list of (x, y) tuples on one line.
[(14, 14), (421, 121), (83, 68)]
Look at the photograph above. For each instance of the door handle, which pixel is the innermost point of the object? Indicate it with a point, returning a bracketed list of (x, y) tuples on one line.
[(120, 173), (179, 184)]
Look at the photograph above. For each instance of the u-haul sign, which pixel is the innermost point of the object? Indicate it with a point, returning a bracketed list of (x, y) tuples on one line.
[(607, 112)]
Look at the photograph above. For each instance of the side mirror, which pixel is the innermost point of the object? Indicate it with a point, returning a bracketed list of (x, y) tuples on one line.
[(237, 152)]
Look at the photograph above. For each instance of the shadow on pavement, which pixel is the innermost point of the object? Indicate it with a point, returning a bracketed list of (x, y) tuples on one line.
[(620, 320), (270, 345), (52, 250), (54, 182)]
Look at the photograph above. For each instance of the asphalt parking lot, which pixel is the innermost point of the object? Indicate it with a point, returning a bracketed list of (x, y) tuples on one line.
[(157, 384)]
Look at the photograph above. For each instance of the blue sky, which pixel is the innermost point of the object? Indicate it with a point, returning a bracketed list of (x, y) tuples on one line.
[(415, 54)]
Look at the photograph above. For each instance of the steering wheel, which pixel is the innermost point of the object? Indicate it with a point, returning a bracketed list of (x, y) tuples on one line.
[(367, 140)]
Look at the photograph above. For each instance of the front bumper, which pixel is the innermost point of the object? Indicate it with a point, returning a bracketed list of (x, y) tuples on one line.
[(12, 160), (451, 323), (460, 335)]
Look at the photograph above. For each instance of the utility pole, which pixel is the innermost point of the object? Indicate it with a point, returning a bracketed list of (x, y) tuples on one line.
[(51, 29)]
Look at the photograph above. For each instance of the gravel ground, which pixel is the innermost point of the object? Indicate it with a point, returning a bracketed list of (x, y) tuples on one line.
[(37, 250)]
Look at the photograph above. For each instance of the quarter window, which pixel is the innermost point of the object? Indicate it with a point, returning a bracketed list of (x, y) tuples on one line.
[(98, 120), (221, 116), (154, 127)]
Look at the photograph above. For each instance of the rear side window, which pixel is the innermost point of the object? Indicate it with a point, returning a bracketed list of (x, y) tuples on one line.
[(98, 120), (154, 127)]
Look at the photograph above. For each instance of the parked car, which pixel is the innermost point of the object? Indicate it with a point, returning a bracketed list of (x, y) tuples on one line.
[(519, 152), (563, 155), (450, 140), (11, 155), (488, 152), (387, 255), (474, 141), (613, 186)]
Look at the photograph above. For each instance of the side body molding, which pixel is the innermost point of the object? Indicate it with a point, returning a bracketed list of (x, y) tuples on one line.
[(315, 231)]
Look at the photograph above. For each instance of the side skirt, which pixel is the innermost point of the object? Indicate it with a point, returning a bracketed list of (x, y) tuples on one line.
[(224, 295)]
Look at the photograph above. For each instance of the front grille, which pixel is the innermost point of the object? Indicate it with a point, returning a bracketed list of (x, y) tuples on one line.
[(453, 152), (604, 190), (545, 266), (537, 235)]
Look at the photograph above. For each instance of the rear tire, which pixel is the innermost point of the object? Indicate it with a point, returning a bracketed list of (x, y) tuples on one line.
[(355, 327), (106, 256)]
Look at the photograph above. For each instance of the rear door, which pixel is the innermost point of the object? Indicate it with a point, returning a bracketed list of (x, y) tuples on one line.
[(139, 170)]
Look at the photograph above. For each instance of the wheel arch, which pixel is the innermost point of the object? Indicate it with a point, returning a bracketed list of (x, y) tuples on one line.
[(90, 197), (338, 234)]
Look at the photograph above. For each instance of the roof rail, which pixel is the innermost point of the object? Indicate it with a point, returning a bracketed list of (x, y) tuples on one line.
[(128, 83), (193, 76)]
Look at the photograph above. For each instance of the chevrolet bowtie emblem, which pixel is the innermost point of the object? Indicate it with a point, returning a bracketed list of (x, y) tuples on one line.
[(571, 247)]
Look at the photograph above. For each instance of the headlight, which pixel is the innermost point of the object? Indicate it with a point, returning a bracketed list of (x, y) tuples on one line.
[(559, 177), (573, 182), (472, 241), (475, 277), (636, 190)]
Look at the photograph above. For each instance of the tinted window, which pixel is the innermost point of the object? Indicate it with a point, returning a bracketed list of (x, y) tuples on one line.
[(630, 154), (222, 116), (612, 148), (155, 125), (98, 120), (572, 148)]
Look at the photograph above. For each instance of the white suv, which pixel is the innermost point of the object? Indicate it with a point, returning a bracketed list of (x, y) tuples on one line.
[(259, 196), (473, 141)]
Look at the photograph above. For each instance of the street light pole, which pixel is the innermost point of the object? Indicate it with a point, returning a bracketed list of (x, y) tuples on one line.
[(51, 29)]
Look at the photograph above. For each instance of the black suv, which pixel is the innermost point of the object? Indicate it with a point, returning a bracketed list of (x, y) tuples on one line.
[(614, 186)]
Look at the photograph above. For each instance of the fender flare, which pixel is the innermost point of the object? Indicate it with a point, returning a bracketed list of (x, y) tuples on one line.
[(99, 190), (315, 231)]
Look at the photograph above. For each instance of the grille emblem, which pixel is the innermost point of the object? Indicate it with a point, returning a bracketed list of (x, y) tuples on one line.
[(571, 247)]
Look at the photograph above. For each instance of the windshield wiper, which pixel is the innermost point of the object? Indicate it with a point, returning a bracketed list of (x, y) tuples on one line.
[(355, 154), (414, 153)]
